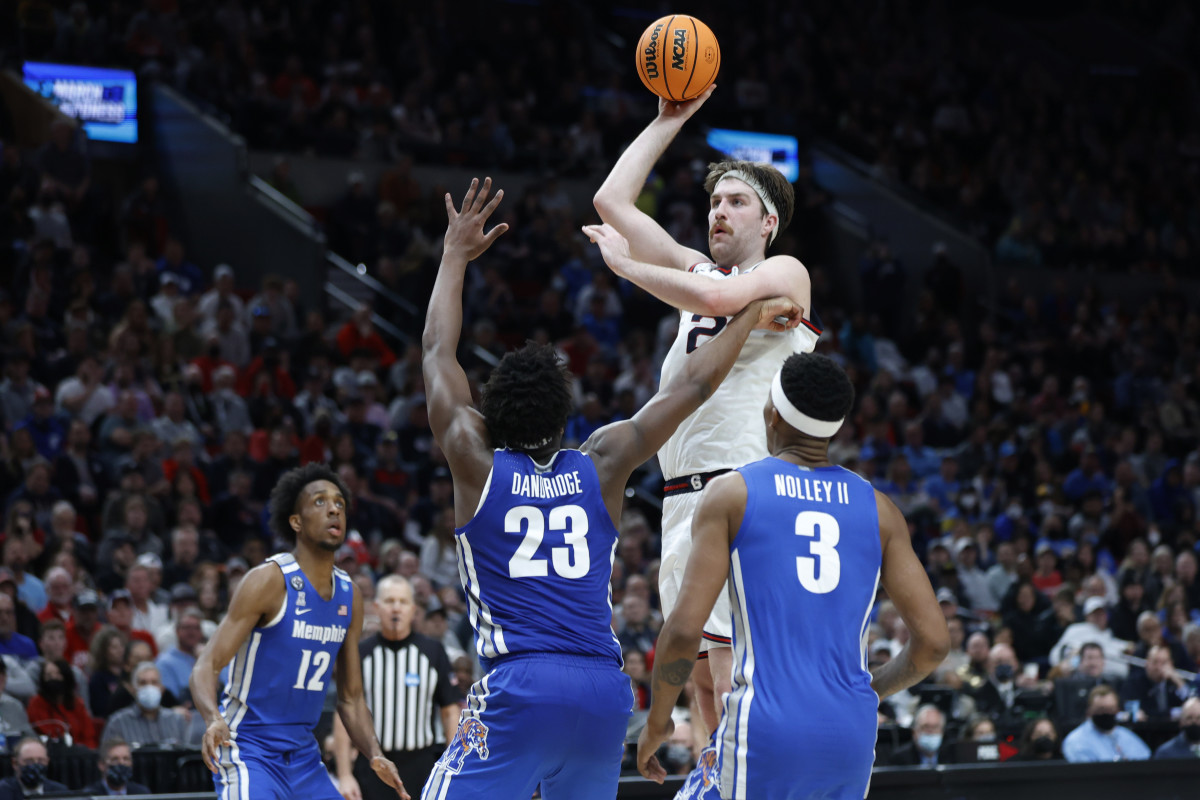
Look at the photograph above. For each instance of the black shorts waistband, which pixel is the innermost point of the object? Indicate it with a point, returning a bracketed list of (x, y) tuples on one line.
[(685, 484)]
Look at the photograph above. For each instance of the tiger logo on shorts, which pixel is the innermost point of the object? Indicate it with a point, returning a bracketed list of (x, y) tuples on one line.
[(472, 735), (702, 777)]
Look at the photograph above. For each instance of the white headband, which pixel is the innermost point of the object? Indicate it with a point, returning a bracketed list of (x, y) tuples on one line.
[(754, 184), (818, 428)]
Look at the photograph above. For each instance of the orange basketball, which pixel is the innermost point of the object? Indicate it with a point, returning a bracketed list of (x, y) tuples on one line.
[(678, 57)]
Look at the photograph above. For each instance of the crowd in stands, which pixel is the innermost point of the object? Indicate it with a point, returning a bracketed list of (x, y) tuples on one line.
[(1048, 163), (1047, 456)]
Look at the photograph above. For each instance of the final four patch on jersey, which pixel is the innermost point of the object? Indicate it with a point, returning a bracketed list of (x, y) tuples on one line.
[(297, 582), (341, 611)]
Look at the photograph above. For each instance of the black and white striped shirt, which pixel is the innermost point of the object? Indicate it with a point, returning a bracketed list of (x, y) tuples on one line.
[(407, 683)]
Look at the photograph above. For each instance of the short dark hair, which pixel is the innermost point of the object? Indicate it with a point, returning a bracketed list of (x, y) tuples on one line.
[(527, 399), (106, 747), (817, 386), (1090, 646), (777, 188), (286, 495)]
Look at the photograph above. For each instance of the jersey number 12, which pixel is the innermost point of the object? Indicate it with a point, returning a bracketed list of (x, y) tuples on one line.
[(572, 561), (320, 664), (820, 572)]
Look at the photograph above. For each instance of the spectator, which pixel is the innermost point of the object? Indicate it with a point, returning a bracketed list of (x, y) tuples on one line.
[(1187, 743), (147, 723), (11, 642), (971, 677), (1158, 689), (1071, 693), (439, 558), (175, 665), (13, 719), (1005, 679), (223, 291), (147, 614), (45, 426), (30, 762), (1100, 739), (1094, 628), (79, 473), (1129, 608), (927, 748), (971, 578), (1039, 742), (637, 631), (107, 656), (82, 628), (59, 591), (120, 616), (116, 771), (56, 711)]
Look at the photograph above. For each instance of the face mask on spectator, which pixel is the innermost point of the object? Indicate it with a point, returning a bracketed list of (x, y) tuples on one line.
[(1192, 732), (678, 755), (1004, 672), (32, 775), (117, 775), (929, 742), (1043, 745), (986, 738), (1104, 722), (149, 697), (55, 687)]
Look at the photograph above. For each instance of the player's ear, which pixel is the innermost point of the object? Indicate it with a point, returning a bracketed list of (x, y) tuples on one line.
[(770, 222), (294, 521)]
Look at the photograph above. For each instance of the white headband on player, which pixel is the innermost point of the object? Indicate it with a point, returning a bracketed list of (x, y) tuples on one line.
[(753, 183), (818, 428)]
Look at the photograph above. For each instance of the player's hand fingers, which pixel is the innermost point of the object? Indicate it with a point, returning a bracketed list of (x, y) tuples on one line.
[(652, 770), (494, 234), (495, 201), (481, 196), (466, 204), (207, 752), (451, 211)]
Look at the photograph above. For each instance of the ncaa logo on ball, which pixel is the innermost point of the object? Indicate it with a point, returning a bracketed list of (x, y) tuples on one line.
[(679, 49), (297, 582)]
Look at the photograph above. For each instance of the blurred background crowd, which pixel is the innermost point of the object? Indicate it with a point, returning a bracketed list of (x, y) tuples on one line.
[(1045, 450)]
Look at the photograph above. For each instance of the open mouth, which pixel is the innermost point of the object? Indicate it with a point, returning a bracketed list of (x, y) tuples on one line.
[(336, 530)]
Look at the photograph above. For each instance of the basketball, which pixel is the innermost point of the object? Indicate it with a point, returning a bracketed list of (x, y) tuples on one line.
[(678, 57)]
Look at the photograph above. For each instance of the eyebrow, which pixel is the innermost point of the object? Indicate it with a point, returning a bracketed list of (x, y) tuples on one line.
[(739, 193)]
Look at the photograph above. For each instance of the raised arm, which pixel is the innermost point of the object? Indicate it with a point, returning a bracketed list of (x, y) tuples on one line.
[(717, 519), (618, 449), (616, 199), (258, 599), (456, 424), (352, 706), (908, 588), (777, 276)]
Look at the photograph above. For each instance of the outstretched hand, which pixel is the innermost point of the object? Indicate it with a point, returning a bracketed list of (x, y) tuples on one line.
[(464, 233), (385, 770), (682, 110)]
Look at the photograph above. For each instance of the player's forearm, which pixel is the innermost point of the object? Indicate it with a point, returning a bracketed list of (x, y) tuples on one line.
[(356, 717), (450, 716), (343, 752), (624, 183), (674, 657), (910, 666), (708, 365), (443, 319), (203, 685), (679, 288)]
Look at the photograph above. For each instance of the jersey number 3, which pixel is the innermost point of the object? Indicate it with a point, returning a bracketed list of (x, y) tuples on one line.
[(718, 325), (820, 572), (572, 561)]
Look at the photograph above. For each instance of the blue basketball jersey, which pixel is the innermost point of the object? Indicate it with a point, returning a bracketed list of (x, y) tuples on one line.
[(804, 569), (536, 560), (277, 680)]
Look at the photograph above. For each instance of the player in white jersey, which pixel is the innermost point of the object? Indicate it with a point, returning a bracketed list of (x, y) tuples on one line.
[(749, 204)]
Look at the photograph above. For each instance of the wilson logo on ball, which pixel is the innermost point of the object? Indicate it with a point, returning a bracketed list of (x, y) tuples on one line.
[(693, 63)]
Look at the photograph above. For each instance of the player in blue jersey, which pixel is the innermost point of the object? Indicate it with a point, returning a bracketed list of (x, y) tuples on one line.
[(291, 623), (536, 537), (804, 545)]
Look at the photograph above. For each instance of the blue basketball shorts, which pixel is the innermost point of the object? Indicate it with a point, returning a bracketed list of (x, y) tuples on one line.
[(550, 719), (249, 772)]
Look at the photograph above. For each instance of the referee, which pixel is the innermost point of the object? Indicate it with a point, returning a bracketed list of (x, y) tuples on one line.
[(408, 683)]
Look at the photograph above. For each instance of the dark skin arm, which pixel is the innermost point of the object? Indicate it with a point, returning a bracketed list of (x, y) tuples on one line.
[(352, 705), (457, 425), (716, 522), (257, 600), (909, 589)]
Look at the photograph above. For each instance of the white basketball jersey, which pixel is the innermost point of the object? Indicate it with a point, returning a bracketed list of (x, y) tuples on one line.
[(728, 430)]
